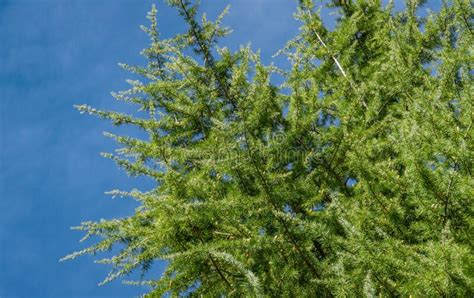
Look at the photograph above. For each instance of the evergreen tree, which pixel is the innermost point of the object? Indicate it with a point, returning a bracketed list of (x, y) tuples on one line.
[(352, 178)]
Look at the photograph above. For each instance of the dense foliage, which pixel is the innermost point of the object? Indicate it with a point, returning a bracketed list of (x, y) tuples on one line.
[(353, 177)]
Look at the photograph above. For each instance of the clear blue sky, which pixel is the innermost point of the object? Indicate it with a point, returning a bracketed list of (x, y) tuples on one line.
[(54, 54)]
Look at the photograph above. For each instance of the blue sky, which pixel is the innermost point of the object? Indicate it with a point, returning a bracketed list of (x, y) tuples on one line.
[(54, 54)]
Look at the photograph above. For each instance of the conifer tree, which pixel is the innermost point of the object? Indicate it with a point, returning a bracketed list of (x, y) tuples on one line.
[(352, 178)]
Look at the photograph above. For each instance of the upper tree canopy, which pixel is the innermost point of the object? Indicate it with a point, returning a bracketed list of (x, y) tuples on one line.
[(353, 177)]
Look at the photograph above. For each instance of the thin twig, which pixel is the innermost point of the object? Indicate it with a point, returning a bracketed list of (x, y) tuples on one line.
[(351, 83)]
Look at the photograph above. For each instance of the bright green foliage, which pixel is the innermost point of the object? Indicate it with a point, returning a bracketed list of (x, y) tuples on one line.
[(353, 178)]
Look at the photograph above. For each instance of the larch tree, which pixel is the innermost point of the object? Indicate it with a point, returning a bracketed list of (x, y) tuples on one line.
[(352, 178)]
